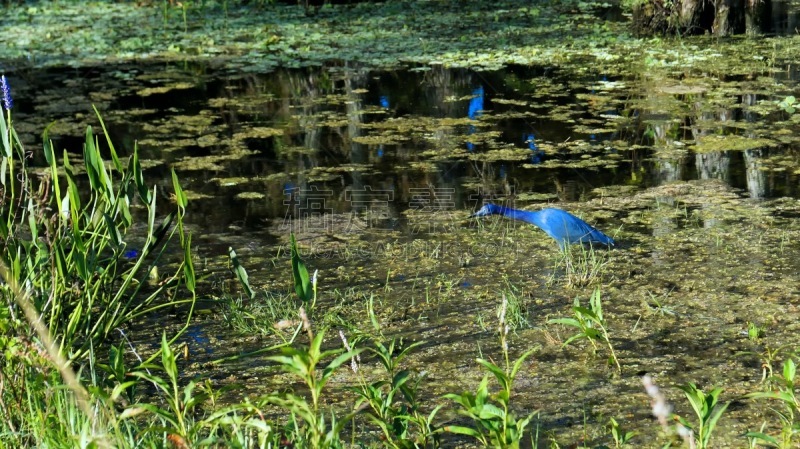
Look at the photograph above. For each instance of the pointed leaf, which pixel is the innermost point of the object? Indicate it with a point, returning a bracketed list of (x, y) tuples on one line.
[(302, 281), (188, 265), (241, 273), (180, 196)]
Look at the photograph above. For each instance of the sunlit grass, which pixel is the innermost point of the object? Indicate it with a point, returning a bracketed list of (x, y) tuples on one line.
[(266, 314), (581, 265)]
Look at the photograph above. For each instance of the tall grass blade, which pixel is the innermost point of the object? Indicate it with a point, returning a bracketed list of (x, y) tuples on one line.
[(302, 281), (111, 149)]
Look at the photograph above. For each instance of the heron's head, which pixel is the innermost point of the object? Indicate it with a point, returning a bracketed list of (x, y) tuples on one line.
[(487, 209)]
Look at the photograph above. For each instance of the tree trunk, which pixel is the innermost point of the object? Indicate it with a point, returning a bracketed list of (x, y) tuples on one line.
[(718, 17)]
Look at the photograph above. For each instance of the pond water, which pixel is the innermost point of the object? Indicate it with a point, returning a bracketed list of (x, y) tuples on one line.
[(696, 177)]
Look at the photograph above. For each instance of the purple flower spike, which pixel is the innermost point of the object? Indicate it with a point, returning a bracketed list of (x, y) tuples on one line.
[(7, 101)]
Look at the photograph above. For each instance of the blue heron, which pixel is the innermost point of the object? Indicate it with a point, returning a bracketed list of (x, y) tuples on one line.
[(558, 224)]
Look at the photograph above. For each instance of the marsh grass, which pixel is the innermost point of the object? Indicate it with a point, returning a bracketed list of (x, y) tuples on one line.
[(66, 241), (266, 314), (657, 305), (581, 265), (516, 310)]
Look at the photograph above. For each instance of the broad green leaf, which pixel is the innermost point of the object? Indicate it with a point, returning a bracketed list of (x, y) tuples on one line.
[(138, 176), (5, 138), (113, 232), (716, 414), (461, 430), (789, 370), (567, 321)]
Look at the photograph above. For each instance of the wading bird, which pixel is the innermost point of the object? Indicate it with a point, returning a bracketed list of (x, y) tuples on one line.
[(559, 224)]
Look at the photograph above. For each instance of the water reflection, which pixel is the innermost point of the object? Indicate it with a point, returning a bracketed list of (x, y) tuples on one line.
[(252, 149)]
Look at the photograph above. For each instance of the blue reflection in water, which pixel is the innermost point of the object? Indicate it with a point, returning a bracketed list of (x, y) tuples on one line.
[(474, 111), (131, 254), (476, 103), (196, 336), (537, 154), (385, 104)]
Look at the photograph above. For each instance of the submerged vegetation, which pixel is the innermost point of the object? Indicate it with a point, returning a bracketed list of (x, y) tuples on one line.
[(277, 253)]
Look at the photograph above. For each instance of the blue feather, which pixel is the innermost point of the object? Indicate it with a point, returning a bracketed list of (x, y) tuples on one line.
[(559, 224)]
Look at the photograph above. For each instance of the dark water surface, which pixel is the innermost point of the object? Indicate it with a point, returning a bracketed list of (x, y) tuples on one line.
[(261, 148)]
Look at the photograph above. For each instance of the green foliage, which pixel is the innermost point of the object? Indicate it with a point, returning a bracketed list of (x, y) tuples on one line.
[(767, 358), (621, 438), (394, 405), (118, 376), (788, 104), (590, 324), (789, 408), (240, 273), (302, 281), (181, 403), (495, 424), (66, 240), (755, 332), (707, 410), (308, 420)]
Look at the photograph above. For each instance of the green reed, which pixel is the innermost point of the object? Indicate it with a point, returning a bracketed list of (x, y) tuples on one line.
[(68, 267), (590, 324), (66, 239)]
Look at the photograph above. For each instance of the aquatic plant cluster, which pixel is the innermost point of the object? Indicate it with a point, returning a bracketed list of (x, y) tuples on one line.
[(487, 335)]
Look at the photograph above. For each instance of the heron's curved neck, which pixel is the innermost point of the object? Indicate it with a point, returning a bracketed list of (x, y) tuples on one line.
[(529, 217)]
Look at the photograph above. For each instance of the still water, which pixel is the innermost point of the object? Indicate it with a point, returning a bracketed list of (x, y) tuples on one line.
[(259, 149)]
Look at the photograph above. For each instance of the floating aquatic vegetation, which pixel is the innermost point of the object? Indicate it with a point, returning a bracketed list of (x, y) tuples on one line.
[(507, 153), (164, 89), (257, 132), (250, 196), (380, 139), (730, 142)]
